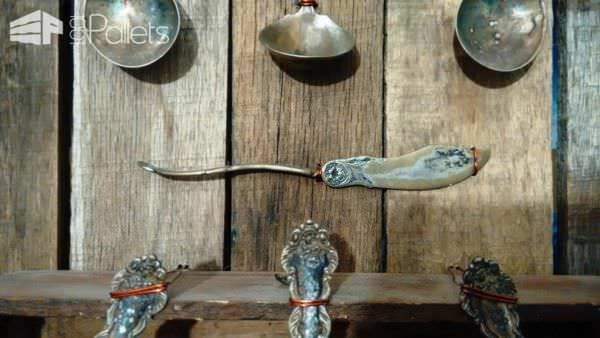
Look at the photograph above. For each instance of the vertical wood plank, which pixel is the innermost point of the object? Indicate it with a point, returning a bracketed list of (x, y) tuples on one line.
[(29, 115), (172, 113), (436, 94), (579, 135), (299, 116)]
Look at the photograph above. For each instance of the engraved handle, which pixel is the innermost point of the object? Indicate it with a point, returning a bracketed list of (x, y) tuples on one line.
[(433, 167)]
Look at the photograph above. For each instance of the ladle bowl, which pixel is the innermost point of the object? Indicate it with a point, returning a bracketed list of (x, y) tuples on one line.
[(502, 35), (132, 33), (307, 35)]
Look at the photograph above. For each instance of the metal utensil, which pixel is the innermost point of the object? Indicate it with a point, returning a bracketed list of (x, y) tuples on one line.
[(433, 167), (132, 33), (307, 35), (309, 261), (489, 296), (502, 35), (129, 316)]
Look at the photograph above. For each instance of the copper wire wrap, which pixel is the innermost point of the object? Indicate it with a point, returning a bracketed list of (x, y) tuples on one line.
[(475, 161), (473, 291), (172, 276), (304, 3), (306, 303), (318, 175), (152, 289), (470, 290)]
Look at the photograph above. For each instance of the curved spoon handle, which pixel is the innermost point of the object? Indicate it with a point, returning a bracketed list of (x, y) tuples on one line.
[(433, 167), (199, 173)]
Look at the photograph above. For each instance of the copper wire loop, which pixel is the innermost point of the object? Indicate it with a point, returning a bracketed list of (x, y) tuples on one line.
[(475, 161), (303, 3), (318, 172), (307, 303), (488, 295), (156, 288)]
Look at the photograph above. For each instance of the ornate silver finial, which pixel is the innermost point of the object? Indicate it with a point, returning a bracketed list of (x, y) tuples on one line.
[(489, 296), (138, 292), (309, 261)]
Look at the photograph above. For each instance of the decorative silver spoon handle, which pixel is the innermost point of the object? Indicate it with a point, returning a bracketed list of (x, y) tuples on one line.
[(489, 296), (309, 261), (138, 293), (432, 167)]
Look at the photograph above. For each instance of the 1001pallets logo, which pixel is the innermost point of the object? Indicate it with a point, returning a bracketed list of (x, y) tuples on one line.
[(38, 27)]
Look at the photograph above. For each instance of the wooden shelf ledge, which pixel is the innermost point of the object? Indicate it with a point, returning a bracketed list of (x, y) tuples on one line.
[(258, 296)]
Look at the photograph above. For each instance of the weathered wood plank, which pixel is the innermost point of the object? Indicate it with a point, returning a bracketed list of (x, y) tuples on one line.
[(436, 94), (29, 117), (86, 327), (83, 327), (172, 113), (258, 296), (300, 117), (579, 135), (251, 329)]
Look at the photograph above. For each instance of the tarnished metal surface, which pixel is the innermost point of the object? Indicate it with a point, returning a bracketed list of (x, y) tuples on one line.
[(307, 35), (127, 317), (496, 319), (309, 261), (432, 167), (132, 33), (226, 170), (503, 35)]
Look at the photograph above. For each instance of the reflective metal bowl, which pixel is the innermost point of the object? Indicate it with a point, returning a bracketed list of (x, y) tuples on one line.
[(132, 33), (502, 35), (307, 35)]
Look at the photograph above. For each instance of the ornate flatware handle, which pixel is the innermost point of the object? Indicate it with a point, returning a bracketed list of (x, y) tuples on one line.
[(489, 296), (139, 291), (433, 167), (309, 261)]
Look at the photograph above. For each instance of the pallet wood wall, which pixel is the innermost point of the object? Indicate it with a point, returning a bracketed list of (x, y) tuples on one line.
[(578, 173), (407, 85)]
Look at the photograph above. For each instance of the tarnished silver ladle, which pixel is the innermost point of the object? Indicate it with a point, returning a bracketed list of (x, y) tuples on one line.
[(132, 33), (432, 167), (307, 35), (502, 35)]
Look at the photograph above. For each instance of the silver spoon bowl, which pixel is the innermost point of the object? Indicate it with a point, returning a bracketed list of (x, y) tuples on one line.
[(132, 33), (502, 35), (307, 35)]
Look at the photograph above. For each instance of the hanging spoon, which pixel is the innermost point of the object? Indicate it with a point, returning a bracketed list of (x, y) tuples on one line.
[(132, 33), (433, 167), (307, 35), (502, 35)]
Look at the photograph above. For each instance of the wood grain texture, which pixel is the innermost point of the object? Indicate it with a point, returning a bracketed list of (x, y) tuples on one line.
[(436, 94), (86, 327), (299, 115), (258, 296), (172, 113), (26, 328), (29, 115), (579, 136)]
